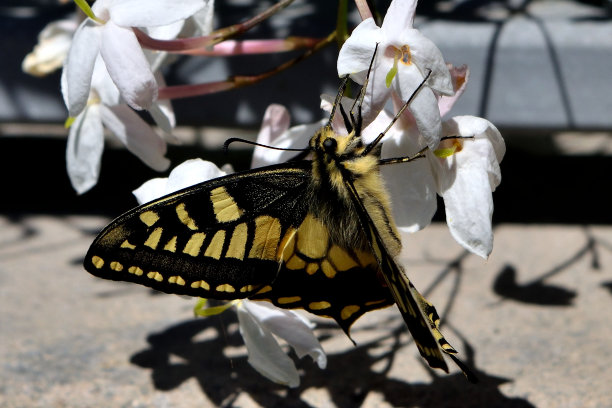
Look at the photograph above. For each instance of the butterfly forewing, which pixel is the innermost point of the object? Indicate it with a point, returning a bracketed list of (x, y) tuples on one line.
[(219, 239)]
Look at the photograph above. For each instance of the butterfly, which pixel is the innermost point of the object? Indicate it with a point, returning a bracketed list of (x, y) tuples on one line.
[(314, 234)]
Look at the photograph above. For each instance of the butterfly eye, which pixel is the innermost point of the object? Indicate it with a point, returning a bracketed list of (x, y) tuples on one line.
[(330, 145)]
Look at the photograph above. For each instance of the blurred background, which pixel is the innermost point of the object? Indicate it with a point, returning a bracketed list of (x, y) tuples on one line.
[(540, 70)]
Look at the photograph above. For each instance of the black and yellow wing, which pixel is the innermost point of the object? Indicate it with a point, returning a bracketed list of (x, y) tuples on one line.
[(245, 235), (419, 314)]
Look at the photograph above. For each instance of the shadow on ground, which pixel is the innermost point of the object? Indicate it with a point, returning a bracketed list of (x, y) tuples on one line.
[(176, 354)]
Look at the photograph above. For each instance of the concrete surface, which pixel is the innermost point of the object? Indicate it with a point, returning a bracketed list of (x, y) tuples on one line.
[(534, 321)]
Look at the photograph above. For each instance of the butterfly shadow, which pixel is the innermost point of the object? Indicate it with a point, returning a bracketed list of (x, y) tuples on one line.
[(199, 349)]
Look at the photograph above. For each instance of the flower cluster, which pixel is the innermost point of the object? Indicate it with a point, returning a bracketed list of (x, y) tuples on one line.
[(111, 64)]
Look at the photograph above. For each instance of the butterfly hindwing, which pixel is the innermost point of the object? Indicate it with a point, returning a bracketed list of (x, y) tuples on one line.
[(220, 239), (325, 279)]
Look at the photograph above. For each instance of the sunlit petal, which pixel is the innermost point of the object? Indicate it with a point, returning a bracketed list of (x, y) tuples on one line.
[(146, 13), (84, 149), (289, 326), (137, 135), (265, 355), (79, 66), (128, 66)]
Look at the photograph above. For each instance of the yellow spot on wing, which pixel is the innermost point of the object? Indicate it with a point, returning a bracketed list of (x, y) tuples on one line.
[(265, 289), (154, 238), (171, 245), (176, 279), (200, 284), (149, 218), (341, 260), (237, 245), (216, 245), (365, 258), (116, 266), (295, 263), (267, 236), (182, 214), (224, 206), (312, 268), (155, 275), (328, 269), (127, 245), (348, 311), (247, 288), (135, 270), (288, 299), (313, 238), (226, 287), (194, 244), (319, 305), (97, 261)]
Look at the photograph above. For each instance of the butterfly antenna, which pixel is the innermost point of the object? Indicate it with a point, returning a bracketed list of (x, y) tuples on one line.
[(337, 101), (369, 148), (237, 139), (356, 123)]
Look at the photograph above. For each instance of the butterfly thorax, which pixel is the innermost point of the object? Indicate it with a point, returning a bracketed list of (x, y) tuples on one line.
[(338, 161)]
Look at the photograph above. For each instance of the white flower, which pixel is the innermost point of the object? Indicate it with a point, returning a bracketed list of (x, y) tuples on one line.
[(275, 132), (53, 45), (405, 56), (467, 178), (86, 135), (111, 36), (186, 174), (259, 322)]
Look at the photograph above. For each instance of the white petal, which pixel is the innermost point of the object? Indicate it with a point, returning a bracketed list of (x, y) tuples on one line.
[(459, 76), (127, 66), (265, 355), (399, 16), (192, 172), (151, 190), (166, 32), (411, 185), (146, 13), (466, 181), (79, 66), (163, 115), (186, 174), (84, 149), (103, 85), (289, 326), (424, 106), (137, 135), (426, 56), (377, 93), (356, 53), (275, 122), (488, 147), (296, 137), (469, 207), (204, 19), (53, 44)]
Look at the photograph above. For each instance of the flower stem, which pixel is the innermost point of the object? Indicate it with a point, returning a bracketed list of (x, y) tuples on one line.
[(364, 9), (238, 81), (209, 40)]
